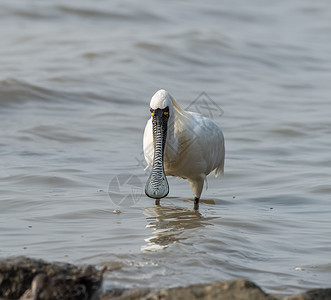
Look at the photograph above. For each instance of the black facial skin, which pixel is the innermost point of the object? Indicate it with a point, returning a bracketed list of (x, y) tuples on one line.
[(160, 120)]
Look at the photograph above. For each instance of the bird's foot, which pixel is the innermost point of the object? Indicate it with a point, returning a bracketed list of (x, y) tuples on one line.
[(196, 203), (157, 202)]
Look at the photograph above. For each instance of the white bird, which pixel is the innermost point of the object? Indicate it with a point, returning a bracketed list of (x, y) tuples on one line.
[(182, 144)]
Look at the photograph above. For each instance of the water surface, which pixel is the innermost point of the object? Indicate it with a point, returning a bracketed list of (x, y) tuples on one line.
[(75, 84)]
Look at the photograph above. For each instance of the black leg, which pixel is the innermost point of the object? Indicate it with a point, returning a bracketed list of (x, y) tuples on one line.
[(196, 203), (157, 201)]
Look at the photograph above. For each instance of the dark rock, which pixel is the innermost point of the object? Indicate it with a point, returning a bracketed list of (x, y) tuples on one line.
[(234, 290), (37, 279), (317, 294), (120, 294)]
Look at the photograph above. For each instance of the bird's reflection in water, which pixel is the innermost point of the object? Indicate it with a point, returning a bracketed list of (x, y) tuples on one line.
[(172, 224)]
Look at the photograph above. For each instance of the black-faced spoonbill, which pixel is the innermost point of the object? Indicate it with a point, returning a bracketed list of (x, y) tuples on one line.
[(182, 144)]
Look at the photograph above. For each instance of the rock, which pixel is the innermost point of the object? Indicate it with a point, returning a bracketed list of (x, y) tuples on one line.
[(120, 294), (317, 294), (36, 279), (234, 290), (230, 290)]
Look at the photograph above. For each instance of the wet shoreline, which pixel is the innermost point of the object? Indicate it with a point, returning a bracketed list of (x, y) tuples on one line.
[(25, 278)]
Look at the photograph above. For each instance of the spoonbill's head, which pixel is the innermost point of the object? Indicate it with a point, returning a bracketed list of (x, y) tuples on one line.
[(161, 109)]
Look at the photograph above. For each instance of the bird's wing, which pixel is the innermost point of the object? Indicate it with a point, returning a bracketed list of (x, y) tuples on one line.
[(209, 140)]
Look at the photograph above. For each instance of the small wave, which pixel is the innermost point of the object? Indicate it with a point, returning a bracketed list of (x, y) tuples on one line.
[(89, 12), (103, 12), (287, 132), (152, 46), (31, 12), (59, 134), (282, 200), (42, 180), (322, 189), (55, 11), (239, 15), (14, 92)]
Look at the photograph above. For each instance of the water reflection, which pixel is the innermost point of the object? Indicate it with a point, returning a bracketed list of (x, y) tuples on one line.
[(171, 225)]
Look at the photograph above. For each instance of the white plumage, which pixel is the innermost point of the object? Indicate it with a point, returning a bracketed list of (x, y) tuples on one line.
[(194, 144)]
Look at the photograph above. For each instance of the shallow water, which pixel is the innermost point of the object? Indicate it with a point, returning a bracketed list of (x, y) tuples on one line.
[(75, 84)]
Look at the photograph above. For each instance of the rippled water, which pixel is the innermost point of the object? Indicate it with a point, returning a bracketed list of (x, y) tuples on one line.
[(75, 83)]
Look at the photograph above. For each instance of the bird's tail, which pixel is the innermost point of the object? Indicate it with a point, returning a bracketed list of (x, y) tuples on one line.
[(220, 169), (206, 183)]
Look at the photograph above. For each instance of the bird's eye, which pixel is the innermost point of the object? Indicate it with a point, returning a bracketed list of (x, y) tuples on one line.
[(166, 111), (152, 111)]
